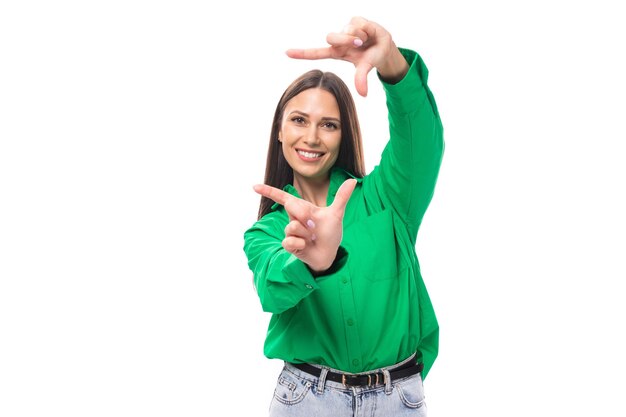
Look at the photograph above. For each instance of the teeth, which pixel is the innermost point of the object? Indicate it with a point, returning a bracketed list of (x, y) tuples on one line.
[(309, 154)]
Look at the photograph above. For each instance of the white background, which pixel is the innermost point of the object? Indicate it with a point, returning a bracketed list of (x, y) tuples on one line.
[(131, 133)]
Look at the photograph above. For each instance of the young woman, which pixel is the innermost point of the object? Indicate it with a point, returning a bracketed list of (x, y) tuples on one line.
[(333, 251)]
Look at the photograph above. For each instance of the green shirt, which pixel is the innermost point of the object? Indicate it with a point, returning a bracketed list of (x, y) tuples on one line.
[(372, 309)]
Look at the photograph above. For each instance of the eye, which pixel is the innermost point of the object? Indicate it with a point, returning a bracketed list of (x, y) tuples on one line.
[(330, 125), (297, 119)]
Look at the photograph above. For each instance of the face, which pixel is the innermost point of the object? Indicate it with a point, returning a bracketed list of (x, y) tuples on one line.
[(310, 134)]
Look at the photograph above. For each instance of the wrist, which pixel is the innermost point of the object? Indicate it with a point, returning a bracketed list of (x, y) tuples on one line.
[(316, 271), (395, 67), (338, 262)]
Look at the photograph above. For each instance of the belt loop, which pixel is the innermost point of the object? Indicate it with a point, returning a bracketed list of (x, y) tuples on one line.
[(387, 380), (321, 382)]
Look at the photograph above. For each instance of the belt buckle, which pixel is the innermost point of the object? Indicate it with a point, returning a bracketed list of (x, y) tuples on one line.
[(346, 383), (369, 380)]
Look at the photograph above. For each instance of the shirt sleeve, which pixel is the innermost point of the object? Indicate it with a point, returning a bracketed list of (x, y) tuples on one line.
[(406, 176), (280, 278)]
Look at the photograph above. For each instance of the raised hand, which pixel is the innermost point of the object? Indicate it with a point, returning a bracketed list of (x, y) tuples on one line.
[(367, 45), (313, 233)]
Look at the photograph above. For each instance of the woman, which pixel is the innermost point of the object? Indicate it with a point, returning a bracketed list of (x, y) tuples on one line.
[(333, 250)]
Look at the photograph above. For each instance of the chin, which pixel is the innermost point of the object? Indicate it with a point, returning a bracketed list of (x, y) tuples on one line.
[(313, 176)]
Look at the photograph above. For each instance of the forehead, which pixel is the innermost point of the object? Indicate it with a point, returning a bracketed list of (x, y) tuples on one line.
[(314, 101)]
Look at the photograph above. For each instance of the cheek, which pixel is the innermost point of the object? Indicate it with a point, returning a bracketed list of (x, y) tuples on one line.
[(335, 144), (334, 150), (287, 134)]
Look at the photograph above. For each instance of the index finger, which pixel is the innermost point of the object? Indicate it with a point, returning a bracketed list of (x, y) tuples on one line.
[(273, 193), (311, 53), (296, 207)]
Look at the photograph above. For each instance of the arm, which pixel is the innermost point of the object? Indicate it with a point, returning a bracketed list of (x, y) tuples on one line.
[(286, 260), (410, 163), (406, 177), (281, 279)]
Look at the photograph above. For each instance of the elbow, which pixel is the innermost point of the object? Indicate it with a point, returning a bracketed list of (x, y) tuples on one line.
[(272, 304)]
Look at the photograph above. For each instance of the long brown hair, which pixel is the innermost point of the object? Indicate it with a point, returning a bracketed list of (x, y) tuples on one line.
[(278, 173)]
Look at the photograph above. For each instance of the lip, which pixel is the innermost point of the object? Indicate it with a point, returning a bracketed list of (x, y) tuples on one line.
[(307, 159)]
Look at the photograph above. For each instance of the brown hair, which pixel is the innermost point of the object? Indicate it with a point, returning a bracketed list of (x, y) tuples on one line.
[(278, 173)]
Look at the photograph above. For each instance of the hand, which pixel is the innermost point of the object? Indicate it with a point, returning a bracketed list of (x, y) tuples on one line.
[(367, 45), (313, 233)]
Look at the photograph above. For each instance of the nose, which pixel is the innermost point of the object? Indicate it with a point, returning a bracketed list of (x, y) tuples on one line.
[(311, 138)]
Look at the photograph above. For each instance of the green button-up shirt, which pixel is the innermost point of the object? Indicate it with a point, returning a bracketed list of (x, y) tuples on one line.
[(372, 309)]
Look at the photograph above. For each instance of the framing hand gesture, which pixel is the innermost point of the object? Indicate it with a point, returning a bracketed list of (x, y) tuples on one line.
[(313, 233), (367, 45)]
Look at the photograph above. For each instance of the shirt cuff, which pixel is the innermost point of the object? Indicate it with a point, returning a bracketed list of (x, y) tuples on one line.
[(300, 274), (407, 94), (338, 263)]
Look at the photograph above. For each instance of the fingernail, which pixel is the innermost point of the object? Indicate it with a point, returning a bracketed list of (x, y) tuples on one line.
[(310, 223), (357, 42)]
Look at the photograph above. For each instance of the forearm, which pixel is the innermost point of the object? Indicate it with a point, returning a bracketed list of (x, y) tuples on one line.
[(281, 279), (411, 160)]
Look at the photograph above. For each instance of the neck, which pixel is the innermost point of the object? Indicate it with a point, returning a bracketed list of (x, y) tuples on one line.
[(315, 191)]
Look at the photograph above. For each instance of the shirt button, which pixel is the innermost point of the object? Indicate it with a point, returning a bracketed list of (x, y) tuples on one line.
[(355, 362), (350, 322), (344, 280), (309, 286)]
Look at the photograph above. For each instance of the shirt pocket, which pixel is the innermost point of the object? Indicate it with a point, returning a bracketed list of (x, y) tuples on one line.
[(372, 247)]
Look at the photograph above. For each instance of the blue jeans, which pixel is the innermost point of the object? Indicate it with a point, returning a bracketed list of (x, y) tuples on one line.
[(299, 394)]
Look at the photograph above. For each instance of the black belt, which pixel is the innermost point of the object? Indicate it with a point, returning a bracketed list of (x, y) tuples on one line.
[(363, 380)]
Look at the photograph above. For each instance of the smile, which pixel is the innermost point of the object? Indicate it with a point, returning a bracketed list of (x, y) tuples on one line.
[(306, 155)]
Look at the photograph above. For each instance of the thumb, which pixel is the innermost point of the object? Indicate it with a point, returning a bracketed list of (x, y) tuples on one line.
[(343, 195), (360, 78)]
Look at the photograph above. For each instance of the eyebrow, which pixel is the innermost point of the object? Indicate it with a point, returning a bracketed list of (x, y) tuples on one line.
[(332, 119)]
